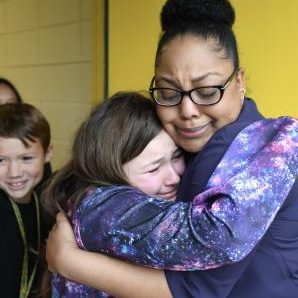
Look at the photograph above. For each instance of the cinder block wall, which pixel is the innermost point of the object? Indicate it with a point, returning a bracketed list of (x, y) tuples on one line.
[(46, 51)]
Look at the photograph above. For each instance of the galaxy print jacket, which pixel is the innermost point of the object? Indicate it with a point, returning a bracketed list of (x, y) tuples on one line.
[(220, 226)]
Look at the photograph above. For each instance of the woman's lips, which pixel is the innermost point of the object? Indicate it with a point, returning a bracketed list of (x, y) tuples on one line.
[(193, 132)]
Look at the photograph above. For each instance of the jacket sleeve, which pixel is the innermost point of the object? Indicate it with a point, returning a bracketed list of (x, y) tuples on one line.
[(222, 225)]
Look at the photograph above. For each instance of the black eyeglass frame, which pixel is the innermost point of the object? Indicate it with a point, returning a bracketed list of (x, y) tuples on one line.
[(182, 93)]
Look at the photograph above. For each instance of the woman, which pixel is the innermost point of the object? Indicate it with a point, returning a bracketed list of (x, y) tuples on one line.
[(198, 50)]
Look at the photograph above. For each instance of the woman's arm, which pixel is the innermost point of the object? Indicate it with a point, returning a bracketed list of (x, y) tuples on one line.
[(221, 226), (114, 276)]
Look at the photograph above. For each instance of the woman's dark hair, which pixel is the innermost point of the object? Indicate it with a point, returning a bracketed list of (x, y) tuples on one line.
[(24, 122), (202, 18), (10, 85), (115, 132)]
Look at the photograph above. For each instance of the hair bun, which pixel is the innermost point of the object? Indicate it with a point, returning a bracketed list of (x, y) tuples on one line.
[(176, 13)]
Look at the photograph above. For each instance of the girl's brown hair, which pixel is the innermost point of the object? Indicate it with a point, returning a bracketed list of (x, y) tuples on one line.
[(115, 132)]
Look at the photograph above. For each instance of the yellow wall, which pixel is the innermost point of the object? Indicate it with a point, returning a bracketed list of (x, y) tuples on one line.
[(46, 51), (133, 35), (267, 33), (98, 50), (268, 46)]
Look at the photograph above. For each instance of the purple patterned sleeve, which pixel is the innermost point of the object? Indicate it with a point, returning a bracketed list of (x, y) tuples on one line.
[(220, 226)]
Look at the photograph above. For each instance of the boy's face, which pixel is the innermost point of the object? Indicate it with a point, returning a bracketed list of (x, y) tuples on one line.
[(21, 168)]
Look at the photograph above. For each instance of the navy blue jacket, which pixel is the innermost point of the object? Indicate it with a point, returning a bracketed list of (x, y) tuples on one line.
[(271, 270)]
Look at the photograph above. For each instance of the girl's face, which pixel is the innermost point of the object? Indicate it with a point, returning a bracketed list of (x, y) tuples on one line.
[(157, 170), (189, 62)]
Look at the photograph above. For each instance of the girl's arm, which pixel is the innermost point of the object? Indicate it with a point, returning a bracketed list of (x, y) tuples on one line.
[(78, 265), (116, 277), (221, 225)]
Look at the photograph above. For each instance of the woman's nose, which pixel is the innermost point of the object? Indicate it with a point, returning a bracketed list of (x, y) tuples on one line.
[(188, 109)]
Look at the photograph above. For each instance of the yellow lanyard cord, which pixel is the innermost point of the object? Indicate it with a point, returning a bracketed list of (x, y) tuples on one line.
[(25, 284)]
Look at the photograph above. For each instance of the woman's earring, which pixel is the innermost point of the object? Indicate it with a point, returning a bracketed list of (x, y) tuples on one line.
[(242, 92)]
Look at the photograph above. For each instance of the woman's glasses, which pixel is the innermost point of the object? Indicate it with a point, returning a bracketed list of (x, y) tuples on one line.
[(205, 96)]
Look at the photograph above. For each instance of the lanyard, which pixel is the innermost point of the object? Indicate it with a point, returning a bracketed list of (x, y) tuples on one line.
[(25, 283)]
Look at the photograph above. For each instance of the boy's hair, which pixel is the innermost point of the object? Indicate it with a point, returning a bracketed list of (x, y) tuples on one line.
[(11, 86), (115, 132), (24, 122)]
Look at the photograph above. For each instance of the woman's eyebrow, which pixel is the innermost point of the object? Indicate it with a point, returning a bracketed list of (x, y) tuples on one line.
[(199, 78), (205, 75)]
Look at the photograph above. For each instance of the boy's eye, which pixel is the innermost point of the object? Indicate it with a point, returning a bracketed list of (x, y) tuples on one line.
[(2, 161), (27, 158)]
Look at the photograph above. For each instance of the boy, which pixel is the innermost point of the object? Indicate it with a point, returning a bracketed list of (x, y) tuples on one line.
[(24, 149)]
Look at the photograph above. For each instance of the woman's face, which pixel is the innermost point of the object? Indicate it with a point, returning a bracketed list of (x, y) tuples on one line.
[(188, 62), (157, 169)]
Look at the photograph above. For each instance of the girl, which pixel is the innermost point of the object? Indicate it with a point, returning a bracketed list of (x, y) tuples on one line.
[(109, 216)]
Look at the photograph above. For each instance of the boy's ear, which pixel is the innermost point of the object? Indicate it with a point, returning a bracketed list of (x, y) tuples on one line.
[(49, 153)]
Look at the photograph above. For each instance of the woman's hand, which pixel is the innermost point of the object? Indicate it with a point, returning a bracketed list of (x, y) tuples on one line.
[(60, 244), (111, 275)]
